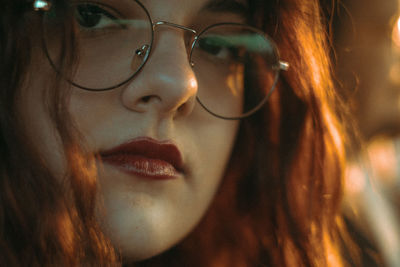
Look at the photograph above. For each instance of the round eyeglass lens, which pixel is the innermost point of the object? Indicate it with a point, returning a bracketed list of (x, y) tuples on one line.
[(236, 66), (112, 42)]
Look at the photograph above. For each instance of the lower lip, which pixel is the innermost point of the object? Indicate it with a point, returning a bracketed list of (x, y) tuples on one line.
[(153, 169)]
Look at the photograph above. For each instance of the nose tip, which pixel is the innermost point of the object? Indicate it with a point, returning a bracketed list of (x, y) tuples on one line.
[(186, 106), (176, 99)]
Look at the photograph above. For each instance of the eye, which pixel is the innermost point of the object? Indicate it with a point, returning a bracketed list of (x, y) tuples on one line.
[(95, 16), (218, 47)]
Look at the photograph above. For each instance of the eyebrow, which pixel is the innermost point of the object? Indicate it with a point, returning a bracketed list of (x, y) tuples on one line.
[(229, 6)]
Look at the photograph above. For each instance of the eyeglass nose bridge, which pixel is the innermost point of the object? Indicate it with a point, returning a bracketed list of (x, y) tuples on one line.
[(173, 25), (143, 51)]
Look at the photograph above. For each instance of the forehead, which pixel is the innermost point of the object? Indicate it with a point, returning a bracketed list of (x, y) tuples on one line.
[(235, 6), (181, 8)]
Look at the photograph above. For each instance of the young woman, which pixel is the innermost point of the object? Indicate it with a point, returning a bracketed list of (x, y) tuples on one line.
[(167, 133)]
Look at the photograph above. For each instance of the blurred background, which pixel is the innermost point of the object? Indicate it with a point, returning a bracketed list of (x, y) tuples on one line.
[(366, 40)]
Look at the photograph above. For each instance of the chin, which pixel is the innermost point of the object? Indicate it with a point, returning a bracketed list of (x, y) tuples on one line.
[(139, 243), (135, 254), (143, 231)]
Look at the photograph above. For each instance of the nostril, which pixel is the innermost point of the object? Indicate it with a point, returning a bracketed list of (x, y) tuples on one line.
[(147, 100), (181, 108)]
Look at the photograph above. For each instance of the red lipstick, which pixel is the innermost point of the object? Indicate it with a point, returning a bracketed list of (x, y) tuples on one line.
[(147, 158)]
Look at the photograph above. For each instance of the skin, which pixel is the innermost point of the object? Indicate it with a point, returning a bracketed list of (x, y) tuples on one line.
[(143, 217)]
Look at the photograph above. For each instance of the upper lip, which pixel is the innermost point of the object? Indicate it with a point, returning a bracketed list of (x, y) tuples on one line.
[(149, 148)]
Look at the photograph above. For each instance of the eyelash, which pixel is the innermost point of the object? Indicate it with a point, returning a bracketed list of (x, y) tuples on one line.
[(102, 11)]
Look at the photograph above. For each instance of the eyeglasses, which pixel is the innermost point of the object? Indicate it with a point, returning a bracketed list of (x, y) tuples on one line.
[(113, 43)]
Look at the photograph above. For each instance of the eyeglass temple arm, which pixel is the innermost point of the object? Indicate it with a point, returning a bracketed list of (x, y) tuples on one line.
[(41, 5), (283, 65)]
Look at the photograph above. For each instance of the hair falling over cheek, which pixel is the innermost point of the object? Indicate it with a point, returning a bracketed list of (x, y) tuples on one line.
[(80, 181), (45, 220)]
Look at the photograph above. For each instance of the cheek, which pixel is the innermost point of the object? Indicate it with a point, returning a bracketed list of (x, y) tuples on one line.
[(221, 91), (213, 141)]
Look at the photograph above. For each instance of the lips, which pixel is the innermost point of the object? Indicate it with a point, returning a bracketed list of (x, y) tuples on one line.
[(146, 158)]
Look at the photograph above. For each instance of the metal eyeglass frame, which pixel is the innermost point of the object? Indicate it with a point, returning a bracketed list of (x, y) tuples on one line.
[(145, 51)]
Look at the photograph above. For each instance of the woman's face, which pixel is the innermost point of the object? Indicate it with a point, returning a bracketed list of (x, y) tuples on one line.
[(161, 155)]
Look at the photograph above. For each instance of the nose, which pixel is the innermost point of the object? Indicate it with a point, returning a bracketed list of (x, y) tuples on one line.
[(167, 83)]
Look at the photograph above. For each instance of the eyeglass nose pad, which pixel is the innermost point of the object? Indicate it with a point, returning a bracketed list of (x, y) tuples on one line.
[(142, 51), (140, 56)]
